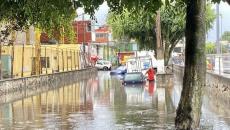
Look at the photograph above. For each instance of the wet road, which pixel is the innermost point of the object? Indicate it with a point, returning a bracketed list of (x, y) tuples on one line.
[(102, 103)]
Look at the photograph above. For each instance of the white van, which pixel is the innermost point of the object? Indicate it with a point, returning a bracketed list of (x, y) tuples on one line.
[(139, 64)]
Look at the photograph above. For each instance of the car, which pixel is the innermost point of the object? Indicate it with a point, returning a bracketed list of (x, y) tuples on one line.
[(133, 78), (119, 70), (103, 65)]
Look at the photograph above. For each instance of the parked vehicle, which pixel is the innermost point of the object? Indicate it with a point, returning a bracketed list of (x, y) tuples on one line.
[(103, 65), (119, 70), (139, 64), (142, 61), (133, 78)]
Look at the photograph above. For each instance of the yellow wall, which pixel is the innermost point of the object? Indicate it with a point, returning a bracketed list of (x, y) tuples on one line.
[(54, 52)]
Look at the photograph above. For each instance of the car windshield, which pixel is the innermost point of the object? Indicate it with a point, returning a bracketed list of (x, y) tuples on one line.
[(133, 77), (106, 62)]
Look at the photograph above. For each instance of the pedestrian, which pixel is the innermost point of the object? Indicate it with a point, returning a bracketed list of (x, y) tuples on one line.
[(151, 74)]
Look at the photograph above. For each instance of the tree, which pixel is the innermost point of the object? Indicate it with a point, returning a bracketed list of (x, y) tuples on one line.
[(128, 25), (141, 26), (48, 15), (226, 36), (189, 109), (210, 48), (188, 112)]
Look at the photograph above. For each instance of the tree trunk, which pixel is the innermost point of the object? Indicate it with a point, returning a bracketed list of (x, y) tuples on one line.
[(189, 109), (160, 50), (166, 54), (168, 51)]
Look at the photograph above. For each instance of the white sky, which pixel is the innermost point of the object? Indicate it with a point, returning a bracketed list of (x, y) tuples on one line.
[(100, 14), (225, 12)]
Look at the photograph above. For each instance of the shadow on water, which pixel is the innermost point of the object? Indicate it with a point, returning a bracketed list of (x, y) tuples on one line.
[(100, 103)]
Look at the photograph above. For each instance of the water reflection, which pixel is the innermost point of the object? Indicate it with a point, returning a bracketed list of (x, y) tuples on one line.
[(97, 103)]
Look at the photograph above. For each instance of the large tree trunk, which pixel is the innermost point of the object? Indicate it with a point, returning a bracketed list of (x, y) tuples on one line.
[(166, 54), (189, 109)]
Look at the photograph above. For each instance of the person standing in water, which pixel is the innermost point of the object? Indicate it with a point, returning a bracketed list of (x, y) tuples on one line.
[(151, 74)]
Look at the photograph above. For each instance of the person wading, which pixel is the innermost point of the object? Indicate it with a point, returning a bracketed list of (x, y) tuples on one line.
[(151, 74)]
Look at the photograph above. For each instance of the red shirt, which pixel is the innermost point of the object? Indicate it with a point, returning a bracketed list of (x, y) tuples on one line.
[(151, 74)]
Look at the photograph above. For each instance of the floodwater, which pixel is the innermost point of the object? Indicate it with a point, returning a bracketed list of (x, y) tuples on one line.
[(102, 103)]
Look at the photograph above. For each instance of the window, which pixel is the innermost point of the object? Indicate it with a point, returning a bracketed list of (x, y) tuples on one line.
[(101, 35), (97, 35), (45, 62), (178, 49), (88, 27), (133, 77)]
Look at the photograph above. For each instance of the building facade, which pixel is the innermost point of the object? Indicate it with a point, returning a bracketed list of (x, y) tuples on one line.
[(83, 30)]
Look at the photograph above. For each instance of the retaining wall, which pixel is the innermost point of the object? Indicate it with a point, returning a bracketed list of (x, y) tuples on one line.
[(217, 87), (13, 89)]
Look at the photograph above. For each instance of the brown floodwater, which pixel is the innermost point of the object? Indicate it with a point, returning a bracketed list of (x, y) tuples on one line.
[(102, 103)]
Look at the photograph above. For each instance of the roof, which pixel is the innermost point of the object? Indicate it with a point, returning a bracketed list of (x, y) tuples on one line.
[(103, 29)]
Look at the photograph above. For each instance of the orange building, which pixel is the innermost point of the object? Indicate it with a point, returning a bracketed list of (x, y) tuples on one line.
[(102, 34)]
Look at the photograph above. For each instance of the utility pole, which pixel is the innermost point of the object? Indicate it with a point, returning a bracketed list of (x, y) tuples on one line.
[(83, 45), (217, 29), (37, 53), (83, 20), (107, 45)]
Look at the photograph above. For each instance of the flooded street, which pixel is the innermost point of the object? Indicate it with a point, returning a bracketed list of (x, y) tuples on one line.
[(102, 103)]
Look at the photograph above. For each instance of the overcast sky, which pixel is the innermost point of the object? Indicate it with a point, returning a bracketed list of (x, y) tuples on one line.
[(102, 12), (225, 12)]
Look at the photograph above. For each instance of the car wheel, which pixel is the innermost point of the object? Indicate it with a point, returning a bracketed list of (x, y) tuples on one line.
[(105, 68)]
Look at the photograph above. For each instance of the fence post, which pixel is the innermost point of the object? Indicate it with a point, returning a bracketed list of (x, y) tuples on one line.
[(40, 65), (22, 69), (57, 51), (219, 66), (51, 60), (75, 60), (79, 60), (12, 62), (63, 68), (71, 60), (46, 60), (67, 60), (32, 61)]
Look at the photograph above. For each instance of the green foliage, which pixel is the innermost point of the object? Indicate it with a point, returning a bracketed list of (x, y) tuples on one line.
[(210, 17), (141, 25), (226, 36), (48, 15), (127, 25), (210, 48)]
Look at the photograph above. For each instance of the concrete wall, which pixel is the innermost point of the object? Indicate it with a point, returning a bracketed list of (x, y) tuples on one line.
[(23, 87), (164, 80), (68, 60), (217, 87)]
